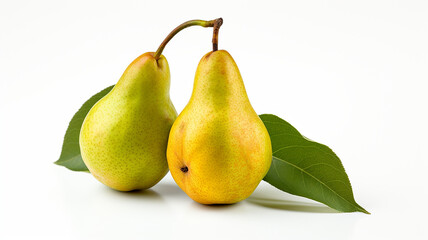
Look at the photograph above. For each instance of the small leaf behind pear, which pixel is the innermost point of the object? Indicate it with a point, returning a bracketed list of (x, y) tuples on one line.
[(305, 168), (70, 154)]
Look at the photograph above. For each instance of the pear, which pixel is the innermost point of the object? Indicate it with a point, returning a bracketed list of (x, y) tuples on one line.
[(124, 136), (218, 149)]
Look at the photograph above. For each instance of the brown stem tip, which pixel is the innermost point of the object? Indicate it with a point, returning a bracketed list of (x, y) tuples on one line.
[(217, 24)]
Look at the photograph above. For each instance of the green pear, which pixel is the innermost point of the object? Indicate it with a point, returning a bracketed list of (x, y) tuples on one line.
[(218, 149), (124, 137)]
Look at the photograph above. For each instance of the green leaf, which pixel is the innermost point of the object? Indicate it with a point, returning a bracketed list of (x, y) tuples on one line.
[(70, 154), (306, 168)]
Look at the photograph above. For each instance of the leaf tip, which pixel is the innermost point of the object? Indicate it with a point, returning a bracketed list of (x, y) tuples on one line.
[(364, 211)]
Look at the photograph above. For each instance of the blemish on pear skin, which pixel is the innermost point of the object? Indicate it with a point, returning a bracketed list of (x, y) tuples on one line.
[(184, 169), (207, 56), (182, 126)]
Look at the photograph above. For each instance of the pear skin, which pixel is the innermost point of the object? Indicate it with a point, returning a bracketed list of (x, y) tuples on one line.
[(218, 149), (124, 137)]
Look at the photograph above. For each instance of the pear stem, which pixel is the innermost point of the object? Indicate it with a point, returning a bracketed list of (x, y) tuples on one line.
[(217, 24), (180, 27)]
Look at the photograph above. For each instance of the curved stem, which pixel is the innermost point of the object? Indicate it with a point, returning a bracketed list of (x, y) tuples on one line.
[(217, 24), (182, 26)]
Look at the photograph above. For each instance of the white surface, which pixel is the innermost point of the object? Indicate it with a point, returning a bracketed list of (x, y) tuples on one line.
[(350, 75)]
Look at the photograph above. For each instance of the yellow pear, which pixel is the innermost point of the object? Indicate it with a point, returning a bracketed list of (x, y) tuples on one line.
[(218, 149), (123, 138)]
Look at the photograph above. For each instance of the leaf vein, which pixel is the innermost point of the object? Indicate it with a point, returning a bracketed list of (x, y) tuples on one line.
[(318, 180)]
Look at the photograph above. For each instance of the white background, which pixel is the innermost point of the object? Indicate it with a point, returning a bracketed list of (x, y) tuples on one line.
[(351, 75)]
